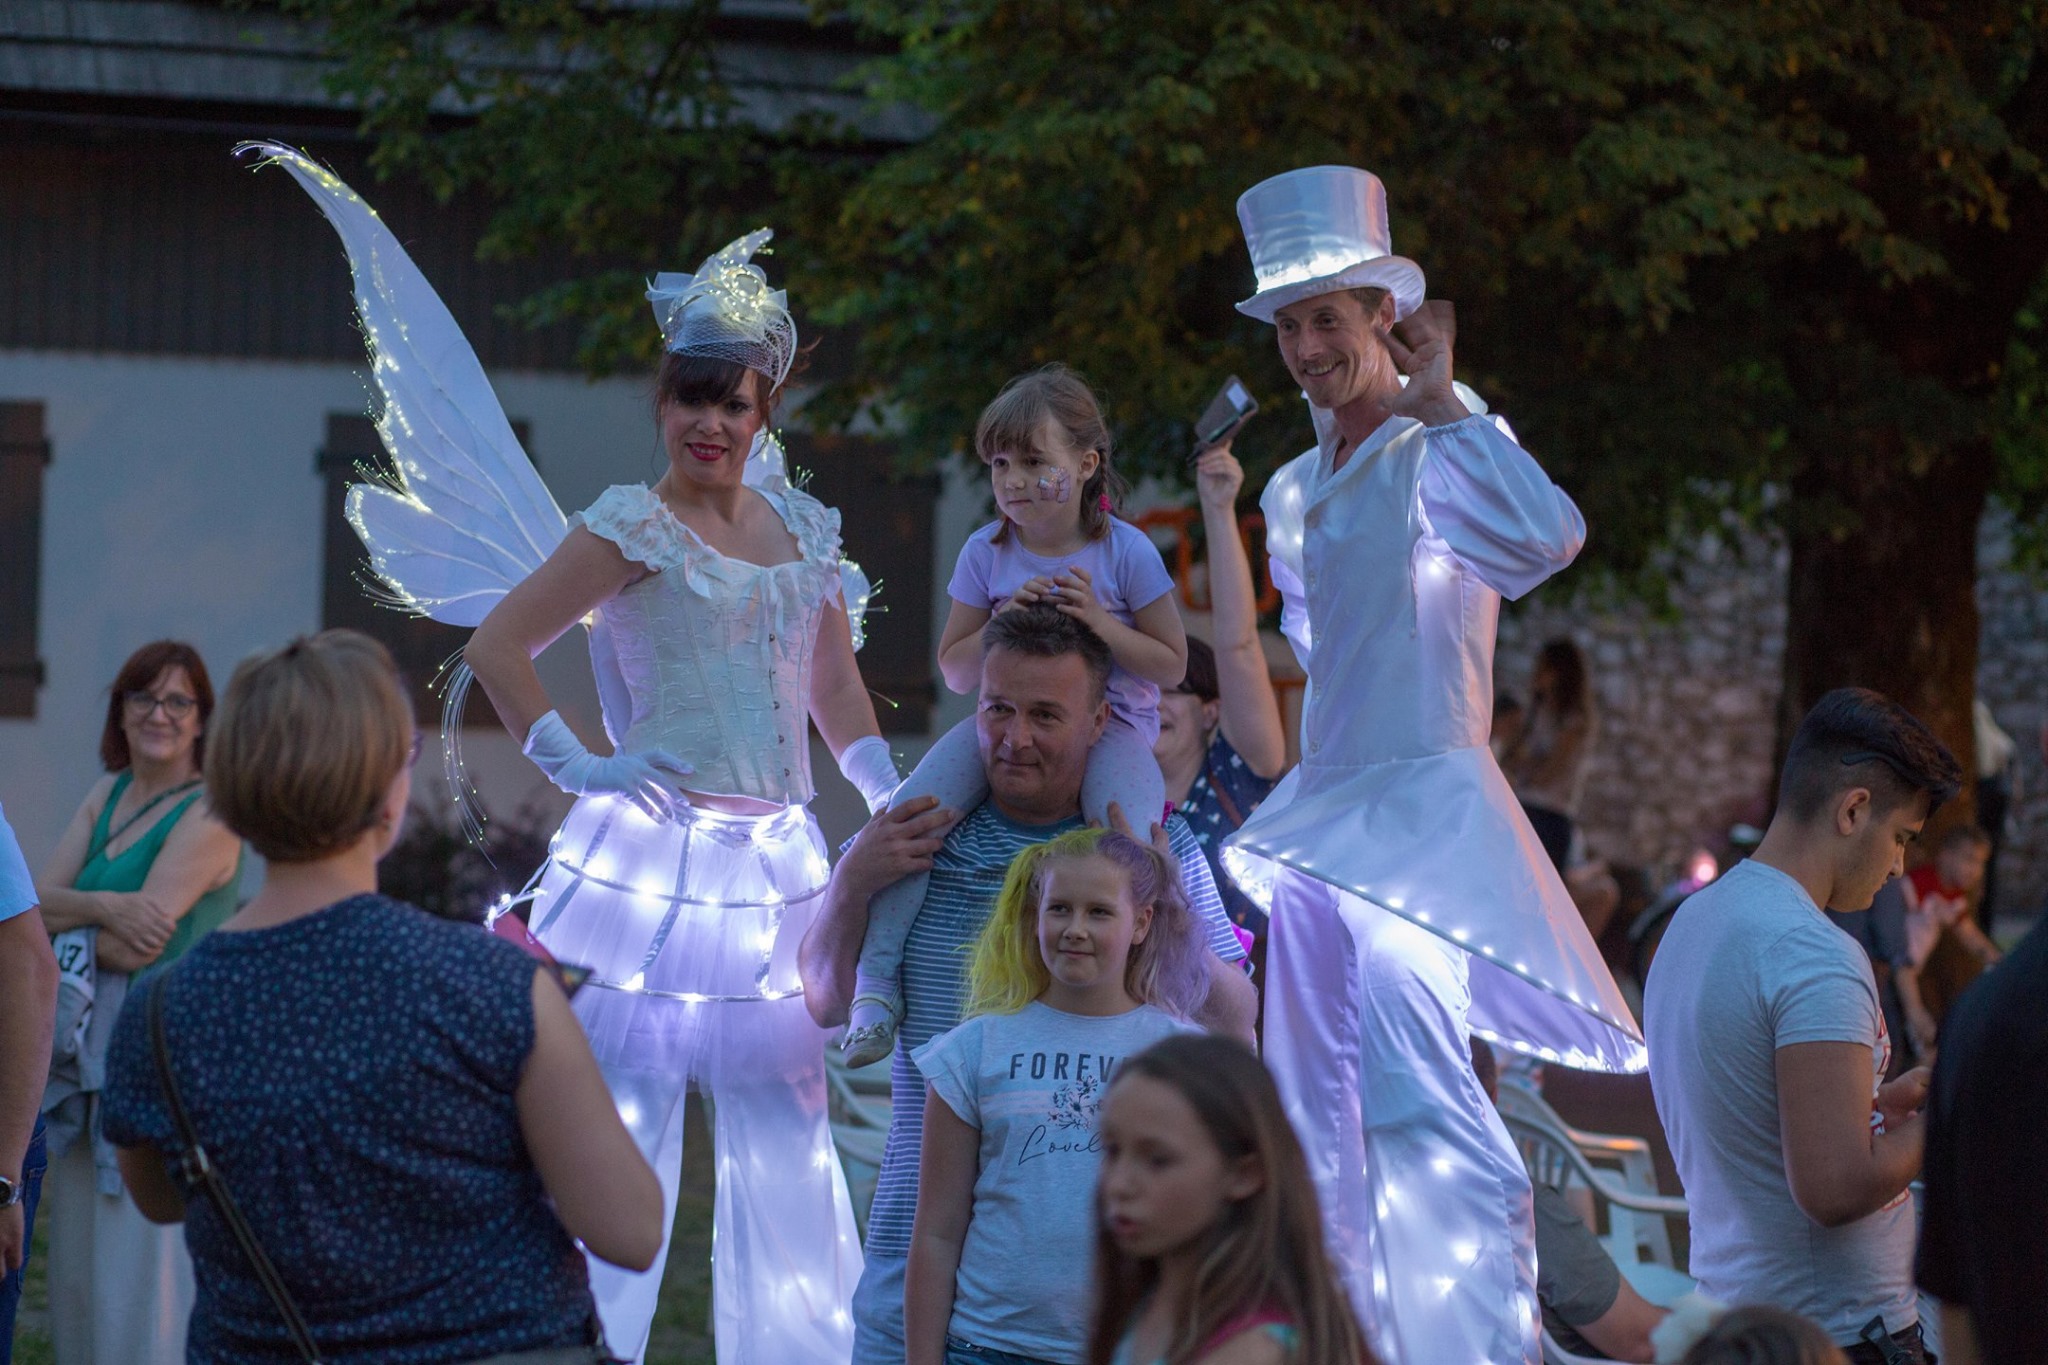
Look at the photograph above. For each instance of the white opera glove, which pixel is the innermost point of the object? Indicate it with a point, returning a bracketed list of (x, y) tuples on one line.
[(868, 766), (650, 780)]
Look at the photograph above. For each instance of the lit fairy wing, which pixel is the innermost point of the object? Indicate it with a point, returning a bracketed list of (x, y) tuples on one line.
[(464, 516), (768, 469)]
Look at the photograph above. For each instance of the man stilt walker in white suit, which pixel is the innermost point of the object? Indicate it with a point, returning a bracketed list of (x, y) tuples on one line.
[(1411, 902)]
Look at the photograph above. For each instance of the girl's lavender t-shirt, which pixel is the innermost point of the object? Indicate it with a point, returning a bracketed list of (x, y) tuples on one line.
[(1128, 576), (1032, 1083)]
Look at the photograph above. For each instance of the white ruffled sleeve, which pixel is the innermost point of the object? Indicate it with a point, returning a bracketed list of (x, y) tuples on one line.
[(815, 526), (1494, 507), (631, 517)]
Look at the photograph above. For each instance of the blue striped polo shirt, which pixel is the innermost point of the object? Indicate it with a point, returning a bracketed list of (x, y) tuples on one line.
[(966, 876)]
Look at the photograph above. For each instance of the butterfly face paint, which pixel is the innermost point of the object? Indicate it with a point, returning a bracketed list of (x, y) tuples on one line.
[(1057, 486)]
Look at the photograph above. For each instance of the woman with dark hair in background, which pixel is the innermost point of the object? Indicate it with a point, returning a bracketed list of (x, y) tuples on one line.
[(1222, 745), (1546, 764), (143, 870)]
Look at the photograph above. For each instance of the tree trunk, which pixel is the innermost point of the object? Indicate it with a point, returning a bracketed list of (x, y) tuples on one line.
[(1883, 586)]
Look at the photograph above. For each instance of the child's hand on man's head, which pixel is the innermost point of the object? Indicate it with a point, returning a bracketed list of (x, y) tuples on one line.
[(1032, 592), (1073, 592)]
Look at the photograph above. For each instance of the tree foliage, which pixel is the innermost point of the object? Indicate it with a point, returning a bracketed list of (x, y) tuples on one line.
[(1783, 259), (606, 135), (1694, 244)]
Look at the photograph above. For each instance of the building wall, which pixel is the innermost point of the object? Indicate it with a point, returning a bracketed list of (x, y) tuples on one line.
[(182, 500)]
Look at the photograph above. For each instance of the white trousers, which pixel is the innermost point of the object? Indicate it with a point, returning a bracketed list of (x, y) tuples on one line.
[(120, 1285), (1426, 1202), (786, 1254)]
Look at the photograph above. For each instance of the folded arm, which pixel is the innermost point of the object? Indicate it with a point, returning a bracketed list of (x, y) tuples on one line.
[(199, 855)]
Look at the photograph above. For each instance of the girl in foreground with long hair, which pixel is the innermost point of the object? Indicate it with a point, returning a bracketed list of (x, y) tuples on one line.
[(1209, 1246), (1091, 955)]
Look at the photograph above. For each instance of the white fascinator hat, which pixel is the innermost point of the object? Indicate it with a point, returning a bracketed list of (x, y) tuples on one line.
[(1318, 230), (727, 310)]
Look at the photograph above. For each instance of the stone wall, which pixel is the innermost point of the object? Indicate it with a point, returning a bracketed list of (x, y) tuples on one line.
[(2012, 677), (1687, 697)]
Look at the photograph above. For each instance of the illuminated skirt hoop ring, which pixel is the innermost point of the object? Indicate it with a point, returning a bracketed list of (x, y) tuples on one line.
[(690, 928)]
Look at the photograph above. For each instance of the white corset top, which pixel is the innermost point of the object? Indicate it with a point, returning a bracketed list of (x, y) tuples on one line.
[(710, 659)]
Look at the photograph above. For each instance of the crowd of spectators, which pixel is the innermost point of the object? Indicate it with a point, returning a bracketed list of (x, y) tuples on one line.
[(1797, 1133)]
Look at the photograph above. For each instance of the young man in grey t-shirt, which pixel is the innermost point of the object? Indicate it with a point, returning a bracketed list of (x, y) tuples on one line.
[(1768, 1048)]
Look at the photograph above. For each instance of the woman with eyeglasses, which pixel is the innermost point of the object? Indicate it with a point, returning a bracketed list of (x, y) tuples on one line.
[(143, 871)]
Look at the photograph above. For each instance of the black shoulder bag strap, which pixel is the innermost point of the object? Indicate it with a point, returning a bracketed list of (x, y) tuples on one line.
[(198, 1170)]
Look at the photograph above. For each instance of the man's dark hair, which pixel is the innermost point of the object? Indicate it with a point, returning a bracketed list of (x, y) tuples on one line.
[(1045, 632), (1201, 680), (1854, 737)]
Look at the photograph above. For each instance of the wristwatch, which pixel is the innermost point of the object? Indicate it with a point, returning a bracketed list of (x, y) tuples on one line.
[(10, 1192)]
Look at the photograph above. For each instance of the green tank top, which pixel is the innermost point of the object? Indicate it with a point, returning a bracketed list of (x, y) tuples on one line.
[(128, 869)]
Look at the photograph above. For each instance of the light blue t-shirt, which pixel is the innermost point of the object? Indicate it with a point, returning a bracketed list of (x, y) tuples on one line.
[(17, 888), (1123, 567), (1750, 966), (1032, 1082), (966, 876)]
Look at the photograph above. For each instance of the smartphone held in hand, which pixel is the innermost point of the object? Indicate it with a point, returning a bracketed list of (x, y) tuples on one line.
[(1232, 406)]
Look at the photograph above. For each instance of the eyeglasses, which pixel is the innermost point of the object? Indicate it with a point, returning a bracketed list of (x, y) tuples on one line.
[(141, 705)]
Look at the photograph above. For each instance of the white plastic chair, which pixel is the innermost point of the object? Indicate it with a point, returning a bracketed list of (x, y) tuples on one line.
[(1618, 1169), (859, 1106)]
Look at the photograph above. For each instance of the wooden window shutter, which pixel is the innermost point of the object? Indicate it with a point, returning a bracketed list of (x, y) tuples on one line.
[(24, 453), (421, 647)]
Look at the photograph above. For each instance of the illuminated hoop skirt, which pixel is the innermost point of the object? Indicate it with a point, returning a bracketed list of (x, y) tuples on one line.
[(690, 929)]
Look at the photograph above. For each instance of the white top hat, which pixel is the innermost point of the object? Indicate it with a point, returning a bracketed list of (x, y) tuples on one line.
[(1318, 230)]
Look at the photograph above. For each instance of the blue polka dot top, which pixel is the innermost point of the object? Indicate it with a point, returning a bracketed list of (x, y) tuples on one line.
[(352, 1075)]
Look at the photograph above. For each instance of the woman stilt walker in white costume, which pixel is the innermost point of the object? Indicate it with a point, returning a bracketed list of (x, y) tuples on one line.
[(1411, 902), (718, 605)]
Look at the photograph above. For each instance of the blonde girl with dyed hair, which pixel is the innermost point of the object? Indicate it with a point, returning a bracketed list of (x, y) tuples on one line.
[(1091, 955)]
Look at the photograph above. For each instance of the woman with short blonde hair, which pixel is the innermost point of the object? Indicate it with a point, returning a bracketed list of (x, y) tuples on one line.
[(310, 739), (391, 1099)]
